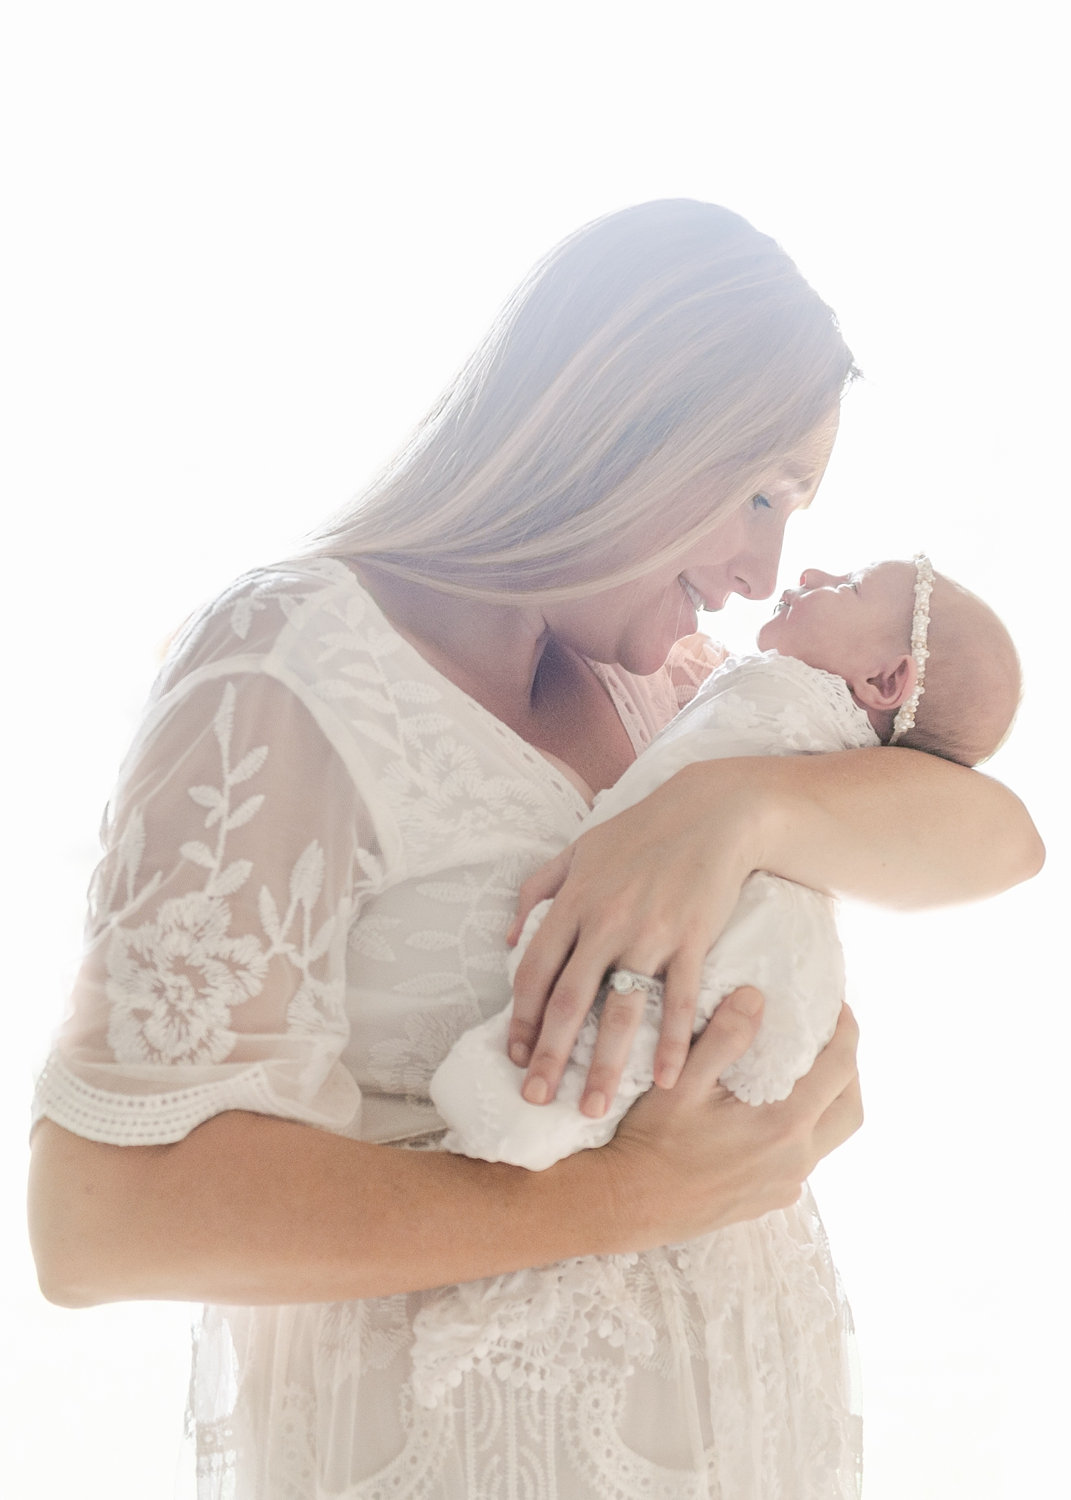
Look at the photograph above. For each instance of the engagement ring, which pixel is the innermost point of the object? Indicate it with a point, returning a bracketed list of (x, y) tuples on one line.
[(625, 981)]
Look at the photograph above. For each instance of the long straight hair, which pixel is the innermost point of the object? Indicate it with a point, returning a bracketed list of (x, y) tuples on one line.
[(647, 377)]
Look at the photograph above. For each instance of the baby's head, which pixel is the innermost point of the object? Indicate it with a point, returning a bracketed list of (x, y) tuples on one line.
[(859, 627)]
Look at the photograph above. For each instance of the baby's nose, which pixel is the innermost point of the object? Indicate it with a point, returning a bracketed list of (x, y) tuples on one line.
[(814, 578)]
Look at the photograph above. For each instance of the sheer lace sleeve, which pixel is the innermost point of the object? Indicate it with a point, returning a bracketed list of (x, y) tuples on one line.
[(236, 854)]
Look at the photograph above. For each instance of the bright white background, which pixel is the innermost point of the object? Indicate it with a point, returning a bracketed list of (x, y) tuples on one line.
[(245, 246)]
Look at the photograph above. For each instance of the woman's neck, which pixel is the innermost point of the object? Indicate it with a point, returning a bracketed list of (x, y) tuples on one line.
[(492, 652), (506, 658)]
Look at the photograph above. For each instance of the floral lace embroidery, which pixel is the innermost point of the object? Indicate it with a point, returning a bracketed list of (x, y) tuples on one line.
[(530, 1329), (174, 981), (349, 954)]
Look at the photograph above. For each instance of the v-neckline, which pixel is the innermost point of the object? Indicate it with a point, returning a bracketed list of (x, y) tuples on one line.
[(558, 773)]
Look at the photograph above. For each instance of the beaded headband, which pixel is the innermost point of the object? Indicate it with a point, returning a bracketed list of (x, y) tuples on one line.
[(920, 628)]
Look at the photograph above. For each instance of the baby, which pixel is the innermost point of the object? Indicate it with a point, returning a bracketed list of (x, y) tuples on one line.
[(893, 654)]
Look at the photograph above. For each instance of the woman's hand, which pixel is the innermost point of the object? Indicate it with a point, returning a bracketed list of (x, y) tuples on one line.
[(652, 889), (694, 1158), (649, 890)]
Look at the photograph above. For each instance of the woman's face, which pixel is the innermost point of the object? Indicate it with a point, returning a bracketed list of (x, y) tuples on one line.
[(636, 624)]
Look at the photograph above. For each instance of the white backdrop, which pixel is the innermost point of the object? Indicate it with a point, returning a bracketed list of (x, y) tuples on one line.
[(247, 244)]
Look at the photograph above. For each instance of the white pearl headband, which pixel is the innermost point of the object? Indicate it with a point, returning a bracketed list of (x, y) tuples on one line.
[(920, 629)]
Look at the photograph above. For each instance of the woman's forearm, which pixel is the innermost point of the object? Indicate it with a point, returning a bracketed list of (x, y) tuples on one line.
[(891, 826), (250, 1209)]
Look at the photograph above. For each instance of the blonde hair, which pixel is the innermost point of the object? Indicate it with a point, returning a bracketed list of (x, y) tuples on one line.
[(973, 679), (654, 348)]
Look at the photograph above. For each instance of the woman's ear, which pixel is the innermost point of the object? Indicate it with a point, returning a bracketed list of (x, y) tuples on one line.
[(887, 689)]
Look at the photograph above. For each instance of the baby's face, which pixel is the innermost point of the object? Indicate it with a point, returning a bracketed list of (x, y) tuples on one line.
[(849, 624)]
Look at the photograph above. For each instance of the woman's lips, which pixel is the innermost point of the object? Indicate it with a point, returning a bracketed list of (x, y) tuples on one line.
[(694, 597)]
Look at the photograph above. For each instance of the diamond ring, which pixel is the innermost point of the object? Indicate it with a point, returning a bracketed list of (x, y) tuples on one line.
[(625, 981)]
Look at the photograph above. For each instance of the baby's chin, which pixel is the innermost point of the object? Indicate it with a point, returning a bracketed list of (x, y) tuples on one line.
[(766, 640)]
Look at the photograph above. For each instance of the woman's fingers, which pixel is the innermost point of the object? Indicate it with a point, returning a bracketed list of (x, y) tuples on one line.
[(554, 988), (826, 1105), (570, 1000), (621, 1017), (834, 1071), (840, 1121), (727, 1037), (542, 886), (540, 974), (618, 1024), (678, 1016), (843, 1114), (729, 1033), (543, 1032)]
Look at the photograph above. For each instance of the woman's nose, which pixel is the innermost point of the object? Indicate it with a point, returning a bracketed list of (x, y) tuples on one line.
[(755, 575), (754, 581)]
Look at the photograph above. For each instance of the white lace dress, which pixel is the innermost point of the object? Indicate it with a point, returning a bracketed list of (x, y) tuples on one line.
[(312, 857)]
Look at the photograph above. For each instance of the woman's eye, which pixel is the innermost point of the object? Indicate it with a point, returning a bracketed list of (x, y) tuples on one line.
[(760, 502)]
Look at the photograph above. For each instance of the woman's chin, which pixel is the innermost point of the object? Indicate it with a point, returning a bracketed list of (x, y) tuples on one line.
[(645, 664), (644, 659)]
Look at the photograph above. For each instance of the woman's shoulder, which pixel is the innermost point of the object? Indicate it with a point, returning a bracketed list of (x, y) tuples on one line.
[(271, 612)]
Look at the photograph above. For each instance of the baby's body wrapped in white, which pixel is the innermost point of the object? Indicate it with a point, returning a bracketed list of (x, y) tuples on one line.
[(781, 937)]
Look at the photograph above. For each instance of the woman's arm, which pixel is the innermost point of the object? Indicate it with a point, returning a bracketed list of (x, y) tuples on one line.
[(251, 1209), (895, 827), (653, 888)]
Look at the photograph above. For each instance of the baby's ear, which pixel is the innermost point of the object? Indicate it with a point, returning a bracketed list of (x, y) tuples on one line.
[(890, 687)]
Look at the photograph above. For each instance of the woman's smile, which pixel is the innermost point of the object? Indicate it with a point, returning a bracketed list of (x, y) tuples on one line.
[(694, 597)]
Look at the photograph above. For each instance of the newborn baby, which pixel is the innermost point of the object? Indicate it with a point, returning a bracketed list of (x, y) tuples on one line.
[(890, 655), (893, 654)]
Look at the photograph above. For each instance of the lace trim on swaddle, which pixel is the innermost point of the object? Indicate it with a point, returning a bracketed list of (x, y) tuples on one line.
[(760, 704)]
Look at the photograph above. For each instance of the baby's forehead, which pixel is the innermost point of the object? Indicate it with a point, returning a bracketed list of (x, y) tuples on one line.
[(888, 565), (890, 573)]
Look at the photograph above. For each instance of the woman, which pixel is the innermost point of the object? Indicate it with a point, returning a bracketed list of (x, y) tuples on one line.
[(351, 766)]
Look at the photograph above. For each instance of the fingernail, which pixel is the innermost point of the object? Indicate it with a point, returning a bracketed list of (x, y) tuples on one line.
[(593, 1105), (520, 1053), (747, 1002), (535, 1091)]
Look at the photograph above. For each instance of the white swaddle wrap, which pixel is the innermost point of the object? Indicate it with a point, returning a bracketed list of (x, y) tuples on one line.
[(781, 937)]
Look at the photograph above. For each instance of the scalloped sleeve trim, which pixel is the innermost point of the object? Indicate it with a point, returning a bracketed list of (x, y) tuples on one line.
[(160, 1119)]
